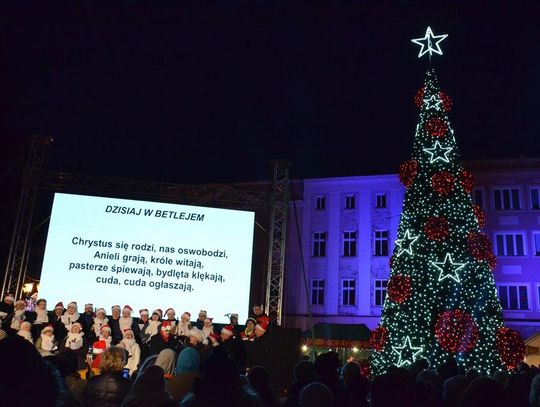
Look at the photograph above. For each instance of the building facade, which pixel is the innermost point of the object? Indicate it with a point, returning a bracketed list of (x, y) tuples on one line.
[(341, 231)]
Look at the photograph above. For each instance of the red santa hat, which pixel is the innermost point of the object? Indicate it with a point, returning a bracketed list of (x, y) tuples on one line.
[(72, 304), (143, 311), (116, 306), (166, 325), (127, 330), (259, 327), (158, 312), (227, 330), (9, 297), (101, 310), (187, 313), (48, 328), (25, 323), (127, 307), (59, 305), (105, 328), (99, 347), (214, 335), (77, 324)]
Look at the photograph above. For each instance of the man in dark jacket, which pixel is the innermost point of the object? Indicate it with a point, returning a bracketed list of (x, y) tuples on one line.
[(149, 390)]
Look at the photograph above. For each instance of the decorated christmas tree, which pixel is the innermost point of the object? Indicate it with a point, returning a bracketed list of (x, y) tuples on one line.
[(441, 298)]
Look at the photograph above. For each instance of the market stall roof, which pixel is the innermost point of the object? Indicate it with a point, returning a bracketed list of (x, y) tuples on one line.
[(337, 335)]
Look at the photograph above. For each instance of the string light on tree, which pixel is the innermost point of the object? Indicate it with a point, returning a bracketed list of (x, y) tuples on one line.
[(433, 102), (407, 353), (438, 152), (405, 244), (447, 268)]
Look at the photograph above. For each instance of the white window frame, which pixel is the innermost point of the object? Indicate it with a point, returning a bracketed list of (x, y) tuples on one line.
[(320, 203), (319, 240), (352, 241), (536, 250), (510, 232), (383, 196), (531, 203), (515, 284), (348, 289), (380, 239), (350, 201), (381, 289), (318, 289), (510, 188)]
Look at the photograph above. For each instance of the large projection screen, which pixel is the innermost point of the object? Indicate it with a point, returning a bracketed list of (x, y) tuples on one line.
[(109, 251)]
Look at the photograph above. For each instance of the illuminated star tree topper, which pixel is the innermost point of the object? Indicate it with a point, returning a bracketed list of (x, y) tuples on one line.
[(430, 43)]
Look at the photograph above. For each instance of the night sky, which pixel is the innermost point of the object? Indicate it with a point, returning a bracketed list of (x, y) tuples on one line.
[(205, 92)]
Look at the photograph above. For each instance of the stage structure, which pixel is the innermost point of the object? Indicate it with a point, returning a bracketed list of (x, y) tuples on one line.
[(269, 204)]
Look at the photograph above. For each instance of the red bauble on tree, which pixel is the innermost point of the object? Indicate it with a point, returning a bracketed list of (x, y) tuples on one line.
[(480, 215), (511, 347), (378, 338), (419, 97), (456, 331), (467, 181), (399, 288), (436, 127), (446, 101), (442, 182), (407, 172), (437, 228), (479, 246)]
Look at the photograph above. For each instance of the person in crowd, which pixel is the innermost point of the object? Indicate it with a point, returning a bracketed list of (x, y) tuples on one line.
[(534, 394), (207, 329), (170, 316), (316, 395), (144, 317), (151, 327), (88, 315), (126, 321), (220, 385), (25, 331), (327, 367), (76, 341), (114, 323), (55, 318), (259, 383), (71, 316), (356, 386), (184, 325), (104, 342), (262, 319), (68, 365), (167, 361), (99, 320), (18, 315), (199, 322), (390, 390), (248, 338), (149, 390), (233, 319), (6, 310), (304, 374), (186, 372), (164, 340), (109, 388), (484, 391), (232, 345), (42, 317), (453, 389), (133, 350), (46, 344), (502, 377)]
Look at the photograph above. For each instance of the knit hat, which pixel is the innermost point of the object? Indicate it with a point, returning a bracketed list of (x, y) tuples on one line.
[(59, 305), (252, 320)]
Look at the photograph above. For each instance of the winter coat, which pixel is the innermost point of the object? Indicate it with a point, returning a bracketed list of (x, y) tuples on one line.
[(106, 390)]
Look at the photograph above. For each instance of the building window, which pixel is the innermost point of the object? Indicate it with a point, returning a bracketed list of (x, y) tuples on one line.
[(317, 292), (349, 292), (349, 244), (319, 244), (350, 202), (510, 244), (380, 292), (536, 238), (381, 242), (507, 199), (514, 296), (535, 198), (478, 197), (381, 201), (320, 203)]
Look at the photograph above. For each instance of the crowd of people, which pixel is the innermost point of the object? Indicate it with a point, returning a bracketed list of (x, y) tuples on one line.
[(63, 358)]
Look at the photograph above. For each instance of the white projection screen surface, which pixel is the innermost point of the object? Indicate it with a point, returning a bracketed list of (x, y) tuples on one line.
[(109, 251)]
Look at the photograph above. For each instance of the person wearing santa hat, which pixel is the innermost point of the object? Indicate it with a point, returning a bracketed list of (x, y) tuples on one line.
[(170, 315), (18, 315), (114, 323), (103, 343), (144, 316), (25, 330), (76, 341), (184, 325), (46, 344), (151, 327), (134, 351), (262, 319), (88, 315), (164, 340), (42, 317), (199, 322), (99, 320), (126, 321), (55, 318), (71, 315), (6, 310), (207, 330)]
